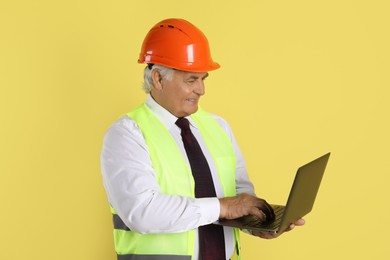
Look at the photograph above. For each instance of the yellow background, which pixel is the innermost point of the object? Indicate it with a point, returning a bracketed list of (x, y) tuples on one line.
[(305, 77)]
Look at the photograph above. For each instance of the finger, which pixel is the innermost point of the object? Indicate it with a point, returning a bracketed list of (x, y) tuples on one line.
[(258, 213), (290, 227), (299, 222), (268, 211), (271, 211)]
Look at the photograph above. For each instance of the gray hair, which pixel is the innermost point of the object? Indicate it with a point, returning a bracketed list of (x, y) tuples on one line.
[(165, 72)]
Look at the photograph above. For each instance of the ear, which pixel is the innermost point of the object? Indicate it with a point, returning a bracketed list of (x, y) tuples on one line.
[(157, 80)]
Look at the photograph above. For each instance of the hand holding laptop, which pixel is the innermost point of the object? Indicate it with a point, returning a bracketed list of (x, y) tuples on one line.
[(271, 235), (245, 204), (254, 214)]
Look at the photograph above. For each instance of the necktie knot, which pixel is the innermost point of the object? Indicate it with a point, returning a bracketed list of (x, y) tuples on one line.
[(183, 123)]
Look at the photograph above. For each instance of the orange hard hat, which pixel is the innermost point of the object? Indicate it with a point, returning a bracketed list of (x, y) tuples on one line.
[(178, 44)]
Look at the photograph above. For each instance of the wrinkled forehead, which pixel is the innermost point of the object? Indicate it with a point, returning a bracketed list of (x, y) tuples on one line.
[(192, 75)]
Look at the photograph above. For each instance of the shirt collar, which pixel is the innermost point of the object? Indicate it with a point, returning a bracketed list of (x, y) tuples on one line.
[(164, 115)]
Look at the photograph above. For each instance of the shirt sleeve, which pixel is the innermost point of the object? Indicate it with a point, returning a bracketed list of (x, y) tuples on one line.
[(132, 189)]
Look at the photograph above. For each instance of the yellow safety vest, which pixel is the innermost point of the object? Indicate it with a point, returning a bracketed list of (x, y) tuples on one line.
[(174, 177)]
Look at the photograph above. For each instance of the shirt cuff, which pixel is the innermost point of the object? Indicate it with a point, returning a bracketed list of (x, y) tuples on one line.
[(210, 209)]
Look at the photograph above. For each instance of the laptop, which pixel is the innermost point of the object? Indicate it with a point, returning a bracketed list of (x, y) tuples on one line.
[(300, 201)]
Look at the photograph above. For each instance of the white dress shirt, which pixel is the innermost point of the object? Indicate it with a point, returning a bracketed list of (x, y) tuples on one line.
[(132, 189)]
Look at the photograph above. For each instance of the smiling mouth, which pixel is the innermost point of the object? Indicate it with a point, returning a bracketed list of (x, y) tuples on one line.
[(192, 100)]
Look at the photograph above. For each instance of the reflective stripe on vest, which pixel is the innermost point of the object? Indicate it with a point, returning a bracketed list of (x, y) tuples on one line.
[(174, 178)]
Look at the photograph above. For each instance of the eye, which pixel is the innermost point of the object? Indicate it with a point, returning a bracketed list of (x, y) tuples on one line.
[(191, 80)]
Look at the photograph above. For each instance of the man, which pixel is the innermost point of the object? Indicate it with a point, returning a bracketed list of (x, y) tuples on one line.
[(171, 169)]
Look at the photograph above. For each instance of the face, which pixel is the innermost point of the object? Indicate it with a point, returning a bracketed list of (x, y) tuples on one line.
[(181, 94)]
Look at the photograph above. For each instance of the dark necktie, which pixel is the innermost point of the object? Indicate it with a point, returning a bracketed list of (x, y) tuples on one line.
[(211, 237)]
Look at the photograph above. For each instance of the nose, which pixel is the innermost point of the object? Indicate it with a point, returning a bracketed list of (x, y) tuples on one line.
[(199, 87)]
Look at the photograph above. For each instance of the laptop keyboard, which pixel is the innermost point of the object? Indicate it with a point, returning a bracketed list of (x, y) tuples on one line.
[(255, 221), (279, 210)]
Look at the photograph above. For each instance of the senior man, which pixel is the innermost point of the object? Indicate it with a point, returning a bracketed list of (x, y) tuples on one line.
[(169, 168)]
